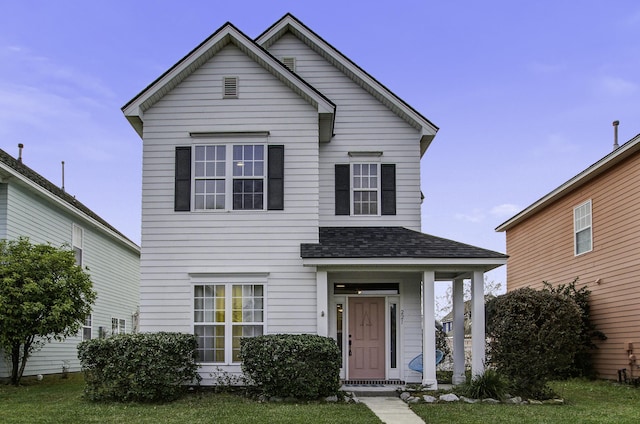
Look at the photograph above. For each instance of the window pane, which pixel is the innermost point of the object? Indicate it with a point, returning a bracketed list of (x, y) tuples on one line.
[(210, 343), (583, 241), (248, 194), (200, 152)]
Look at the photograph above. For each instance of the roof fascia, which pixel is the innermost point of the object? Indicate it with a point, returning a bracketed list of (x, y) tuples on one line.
[(621, 153), (419, 263), (38, 189), (289, 22), (228, 33)]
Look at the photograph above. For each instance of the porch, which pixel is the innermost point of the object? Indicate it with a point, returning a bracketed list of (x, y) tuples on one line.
[(375, 294)]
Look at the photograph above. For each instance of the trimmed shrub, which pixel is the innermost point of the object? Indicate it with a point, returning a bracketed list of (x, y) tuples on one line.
[(583, 363), (533, 337), (303, 366), (143, 367)]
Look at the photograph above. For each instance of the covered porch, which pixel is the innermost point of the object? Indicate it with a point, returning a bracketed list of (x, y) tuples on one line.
[(376, 298)]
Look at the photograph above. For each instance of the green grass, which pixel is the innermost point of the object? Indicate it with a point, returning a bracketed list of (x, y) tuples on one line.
[(585, 402), (55, 400)]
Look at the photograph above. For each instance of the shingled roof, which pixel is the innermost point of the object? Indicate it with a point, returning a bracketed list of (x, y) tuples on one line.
[(389, 242), (38, 179)]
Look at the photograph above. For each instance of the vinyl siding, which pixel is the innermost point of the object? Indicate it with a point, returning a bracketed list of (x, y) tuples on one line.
[(362, 124), (178, 245), (541, 249), (113, 268)]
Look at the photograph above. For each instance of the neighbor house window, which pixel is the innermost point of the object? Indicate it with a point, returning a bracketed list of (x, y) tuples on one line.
[(77, 241), (118, 326), (87, 327), (582, 228), (223, 314), (229, 177)]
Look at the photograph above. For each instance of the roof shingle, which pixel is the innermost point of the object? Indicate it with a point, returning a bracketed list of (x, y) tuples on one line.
[(388, 242)]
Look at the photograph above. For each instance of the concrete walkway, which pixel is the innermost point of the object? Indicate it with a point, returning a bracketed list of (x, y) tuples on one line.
[(391, 410)]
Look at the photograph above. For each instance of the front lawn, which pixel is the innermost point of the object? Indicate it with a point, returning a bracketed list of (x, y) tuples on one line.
[(55, 400), (598, 402)]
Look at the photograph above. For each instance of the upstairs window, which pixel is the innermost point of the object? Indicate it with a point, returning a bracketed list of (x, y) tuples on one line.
[(365, 189), (229, 177), (248, 177), (582, 228), (77, 241), (365, 192)]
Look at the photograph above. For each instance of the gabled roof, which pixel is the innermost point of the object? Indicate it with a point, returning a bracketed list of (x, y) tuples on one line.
[(225, 35), (626, 150), (394, 243), (289, 23), (13, 168)]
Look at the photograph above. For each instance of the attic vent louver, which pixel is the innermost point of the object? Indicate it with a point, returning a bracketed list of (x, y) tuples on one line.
[(289, 62), (230, 87)]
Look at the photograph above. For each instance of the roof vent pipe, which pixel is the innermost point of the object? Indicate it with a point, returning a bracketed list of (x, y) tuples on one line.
[(20, 146), (615, 134), (62, 175)]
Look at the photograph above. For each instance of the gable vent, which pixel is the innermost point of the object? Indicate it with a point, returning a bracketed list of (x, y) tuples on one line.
[(289, 62), (230, 87)]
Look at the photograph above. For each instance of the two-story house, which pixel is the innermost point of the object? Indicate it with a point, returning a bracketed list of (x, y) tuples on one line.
[(586, 229), (281, 194), (32, 206)]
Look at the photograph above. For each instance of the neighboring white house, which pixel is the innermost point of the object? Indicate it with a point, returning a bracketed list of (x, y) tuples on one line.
[(33, 207), (281, 194)]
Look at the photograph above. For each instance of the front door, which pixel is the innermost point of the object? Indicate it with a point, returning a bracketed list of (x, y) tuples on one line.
[(366, 338)]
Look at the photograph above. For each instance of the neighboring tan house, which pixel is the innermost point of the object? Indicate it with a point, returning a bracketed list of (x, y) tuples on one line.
[(281, 194), (587, 228), (33, 207)]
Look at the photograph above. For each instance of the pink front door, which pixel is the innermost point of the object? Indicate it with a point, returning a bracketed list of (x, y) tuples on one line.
[(366, 338)]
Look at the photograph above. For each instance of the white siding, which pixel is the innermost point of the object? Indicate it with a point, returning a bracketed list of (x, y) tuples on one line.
[(175, 245), (362, 124), (411, 328), (113, 268)]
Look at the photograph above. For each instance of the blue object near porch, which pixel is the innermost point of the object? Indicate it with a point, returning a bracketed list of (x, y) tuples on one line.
[(416, 363)]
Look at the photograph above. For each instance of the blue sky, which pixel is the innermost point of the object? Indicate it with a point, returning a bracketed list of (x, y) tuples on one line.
[(524, 93)]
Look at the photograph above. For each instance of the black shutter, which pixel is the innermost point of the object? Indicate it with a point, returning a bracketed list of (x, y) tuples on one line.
[(388, 194), (342, 190), (275, 178), (183, 179)]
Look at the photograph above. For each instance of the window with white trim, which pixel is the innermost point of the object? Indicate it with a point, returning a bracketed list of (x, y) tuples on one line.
[(77, 242), (229, 176), (118, 326), (87, 327), (217, 179), (583, 238), (223, 314), (365, 188)]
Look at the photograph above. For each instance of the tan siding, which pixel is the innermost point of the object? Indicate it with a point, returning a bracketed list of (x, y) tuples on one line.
[(541, 248)]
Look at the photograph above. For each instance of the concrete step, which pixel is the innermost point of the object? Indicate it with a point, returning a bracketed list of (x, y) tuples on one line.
[(372, 390)]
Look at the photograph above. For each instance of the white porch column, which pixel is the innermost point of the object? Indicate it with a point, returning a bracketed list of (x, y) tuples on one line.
[(429, 331), (458, 332), (322, 296), (477, 324)]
